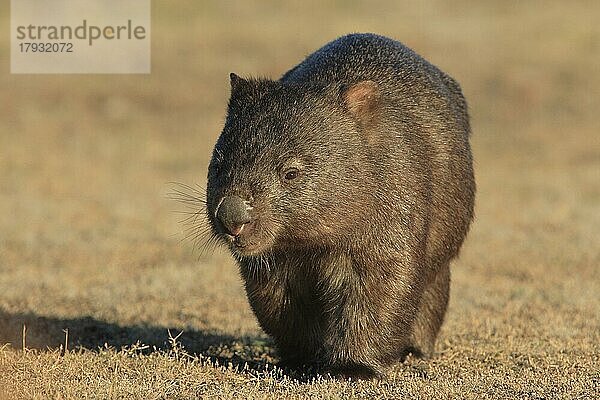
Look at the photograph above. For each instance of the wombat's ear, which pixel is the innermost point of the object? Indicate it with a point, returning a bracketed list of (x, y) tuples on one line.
[(236, 81), (362, 100)]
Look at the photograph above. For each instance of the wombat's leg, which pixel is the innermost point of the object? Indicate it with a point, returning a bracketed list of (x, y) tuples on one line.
[(371, 319), (431, 313)]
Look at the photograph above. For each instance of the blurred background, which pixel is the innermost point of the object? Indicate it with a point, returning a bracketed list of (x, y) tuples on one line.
[(89, 240)]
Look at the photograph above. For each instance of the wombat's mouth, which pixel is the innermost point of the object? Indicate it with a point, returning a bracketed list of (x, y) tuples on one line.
[(244, 247), (248, 241)]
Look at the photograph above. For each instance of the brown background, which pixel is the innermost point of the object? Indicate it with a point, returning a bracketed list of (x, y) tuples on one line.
[(89, 242)]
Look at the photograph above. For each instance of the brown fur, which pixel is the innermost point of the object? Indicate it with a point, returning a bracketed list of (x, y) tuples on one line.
[(357, 174)]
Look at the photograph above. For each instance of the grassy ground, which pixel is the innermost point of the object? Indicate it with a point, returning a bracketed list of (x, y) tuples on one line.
[(89, 243)]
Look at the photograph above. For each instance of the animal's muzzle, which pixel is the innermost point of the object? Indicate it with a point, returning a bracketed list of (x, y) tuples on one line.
[(233, 213)]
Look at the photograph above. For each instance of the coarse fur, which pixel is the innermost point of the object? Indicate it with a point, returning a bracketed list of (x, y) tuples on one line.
[(357, 172)]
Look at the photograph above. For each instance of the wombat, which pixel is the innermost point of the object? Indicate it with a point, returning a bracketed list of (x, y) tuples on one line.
[(343, 190)]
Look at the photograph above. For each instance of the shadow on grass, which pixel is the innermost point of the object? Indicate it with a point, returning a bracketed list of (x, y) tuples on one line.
[(252, 354)]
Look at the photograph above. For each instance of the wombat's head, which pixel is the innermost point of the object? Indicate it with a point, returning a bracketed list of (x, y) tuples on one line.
[(291, 167)]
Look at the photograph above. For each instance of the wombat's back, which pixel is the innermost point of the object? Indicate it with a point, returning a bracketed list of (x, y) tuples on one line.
[(358, 57)]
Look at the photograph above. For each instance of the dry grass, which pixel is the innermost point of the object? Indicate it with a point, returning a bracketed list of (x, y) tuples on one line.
[(88, 241)]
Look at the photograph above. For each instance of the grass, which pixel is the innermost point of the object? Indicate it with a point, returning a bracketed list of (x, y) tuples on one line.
[(89, 242)]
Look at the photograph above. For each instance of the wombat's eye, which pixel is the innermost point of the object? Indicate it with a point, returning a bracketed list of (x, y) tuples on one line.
[(291, 174)]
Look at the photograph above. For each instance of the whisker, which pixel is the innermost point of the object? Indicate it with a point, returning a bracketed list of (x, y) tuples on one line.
[(196, 227)]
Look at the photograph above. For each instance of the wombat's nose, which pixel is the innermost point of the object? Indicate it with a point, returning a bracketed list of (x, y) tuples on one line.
[(233, 214)]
